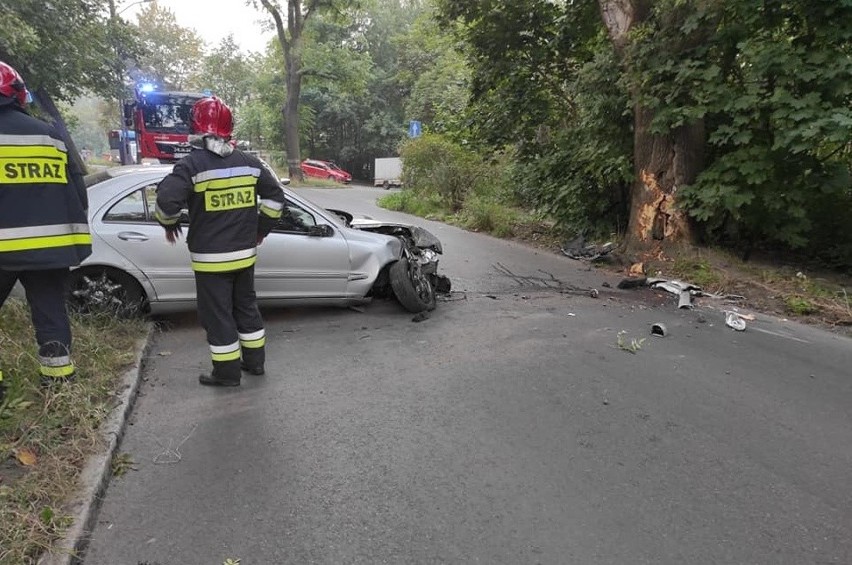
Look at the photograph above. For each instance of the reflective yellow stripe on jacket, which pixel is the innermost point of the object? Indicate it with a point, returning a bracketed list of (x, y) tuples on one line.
[(32, 159), (223, 262), (44, 237)]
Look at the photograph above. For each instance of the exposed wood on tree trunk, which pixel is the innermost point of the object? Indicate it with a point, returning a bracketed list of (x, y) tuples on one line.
[(663, 164)]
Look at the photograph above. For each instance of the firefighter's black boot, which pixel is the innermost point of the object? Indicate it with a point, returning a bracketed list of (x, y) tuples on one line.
[(253, 360), (252, 370), (225, 373)]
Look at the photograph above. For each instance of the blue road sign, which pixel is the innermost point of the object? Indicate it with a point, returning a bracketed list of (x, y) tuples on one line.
[(414, 128)]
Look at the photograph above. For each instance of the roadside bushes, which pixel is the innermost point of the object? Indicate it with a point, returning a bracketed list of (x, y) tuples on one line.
[(448, 181), (432, 164)]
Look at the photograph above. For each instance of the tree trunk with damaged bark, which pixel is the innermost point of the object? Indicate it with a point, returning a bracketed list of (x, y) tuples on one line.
[(662, 163)]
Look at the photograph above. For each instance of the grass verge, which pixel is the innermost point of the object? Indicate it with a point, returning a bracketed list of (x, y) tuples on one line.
[(46, 436), (476, 214)]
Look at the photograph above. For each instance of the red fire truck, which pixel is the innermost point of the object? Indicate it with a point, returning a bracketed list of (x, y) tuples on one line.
[(161, 122)]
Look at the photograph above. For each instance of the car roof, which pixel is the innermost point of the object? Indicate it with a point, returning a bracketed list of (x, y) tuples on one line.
[(113, 172), (101, 190)]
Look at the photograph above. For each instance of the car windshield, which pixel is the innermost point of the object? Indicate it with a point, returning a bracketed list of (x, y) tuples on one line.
[(167, 114), (166, 118)]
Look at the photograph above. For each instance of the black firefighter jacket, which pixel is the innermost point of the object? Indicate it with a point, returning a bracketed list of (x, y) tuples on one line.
[(43, 203), (221, 193)]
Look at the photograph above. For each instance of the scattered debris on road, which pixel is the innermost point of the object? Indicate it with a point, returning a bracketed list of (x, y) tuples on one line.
[(632, 347), (579, 249), (659, 329), (684, 291), (735, 321), (633, 282)]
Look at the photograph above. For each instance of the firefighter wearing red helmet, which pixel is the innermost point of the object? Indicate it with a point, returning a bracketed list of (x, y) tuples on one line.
[(234, 201), (43, 223)]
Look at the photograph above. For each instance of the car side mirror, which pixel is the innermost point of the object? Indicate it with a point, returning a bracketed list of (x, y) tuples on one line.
[(322, 230), (284, 180)]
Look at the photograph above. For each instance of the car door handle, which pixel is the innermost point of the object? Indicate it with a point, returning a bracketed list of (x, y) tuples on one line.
[(132, 236)]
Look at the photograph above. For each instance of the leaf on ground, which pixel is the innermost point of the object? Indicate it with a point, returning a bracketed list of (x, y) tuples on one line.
[(26, 457)]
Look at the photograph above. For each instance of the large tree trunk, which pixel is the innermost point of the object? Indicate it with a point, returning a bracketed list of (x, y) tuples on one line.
[(662, 164), (290, 38), (291, 117)]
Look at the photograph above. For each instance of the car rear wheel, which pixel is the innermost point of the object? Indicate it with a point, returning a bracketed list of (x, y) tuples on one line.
[(105, 291), (411, 287), (386, 185)]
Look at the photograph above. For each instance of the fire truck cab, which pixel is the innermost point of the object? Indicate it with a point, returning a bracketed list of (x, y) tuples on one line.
[(161, 120)]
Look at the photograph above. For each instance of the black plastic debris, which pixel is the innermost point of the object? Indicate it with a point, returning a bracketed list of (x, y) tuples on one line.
[(633, 282), (578, 248)]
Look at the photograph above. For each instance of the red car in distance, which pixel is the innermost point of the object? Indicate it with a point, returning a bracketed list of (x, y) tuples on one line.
[(325, 170)]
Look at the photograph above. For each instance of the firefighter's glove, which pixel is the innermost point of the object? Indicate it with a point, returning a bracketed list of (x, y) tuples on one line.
[(173, 233), (260, 238)]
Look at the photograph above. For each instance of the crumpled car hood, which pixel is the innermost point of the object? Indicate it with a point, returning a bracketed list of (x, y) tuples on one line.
[(421, 237)]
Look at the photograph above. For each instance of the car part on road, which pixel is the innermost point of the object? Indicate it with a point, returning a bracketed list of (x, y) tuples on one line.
[(632, 282), (684, 291), (735, 321), (102, 290), (579, 249)]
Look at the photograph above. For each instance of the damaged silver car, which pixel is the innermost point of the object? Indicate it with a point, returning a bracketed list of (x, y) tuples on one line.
[(313, 256)]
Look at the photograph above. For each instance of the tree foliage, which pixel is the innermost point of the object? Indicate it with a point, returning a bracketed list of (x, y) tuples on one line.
[(543, 82), (773, 80), (172, 53), (227, 72), (62, 46), (769, 83)]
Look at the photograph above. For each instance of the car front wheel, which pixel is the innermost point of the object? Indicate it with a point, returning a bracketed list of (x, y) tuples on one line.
[(410, 286), (102, 290)]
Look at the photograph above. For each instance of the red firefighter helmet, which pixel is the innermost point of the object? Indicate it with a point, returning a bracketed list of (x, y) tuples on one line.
[(12, 85), (213, 117)]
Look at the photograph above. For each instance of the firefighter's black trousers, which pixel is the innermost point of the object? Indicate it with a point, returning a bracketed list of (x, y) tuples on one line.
[(227, 308), (45, 292)]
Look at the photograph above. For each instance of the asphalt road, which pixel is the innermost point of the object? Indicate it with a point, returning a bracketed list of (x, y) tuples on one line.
[(508, 428)]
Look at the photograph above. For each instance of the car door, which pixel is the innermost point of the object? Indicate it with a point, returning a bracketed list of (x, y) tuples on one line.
[(128, 226), (315, 169), (294, 264)]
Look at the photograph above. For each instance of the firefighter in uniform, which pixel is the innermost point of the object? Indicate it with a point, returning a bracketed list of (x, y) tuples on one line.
[(221, 185), (43, 223)]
